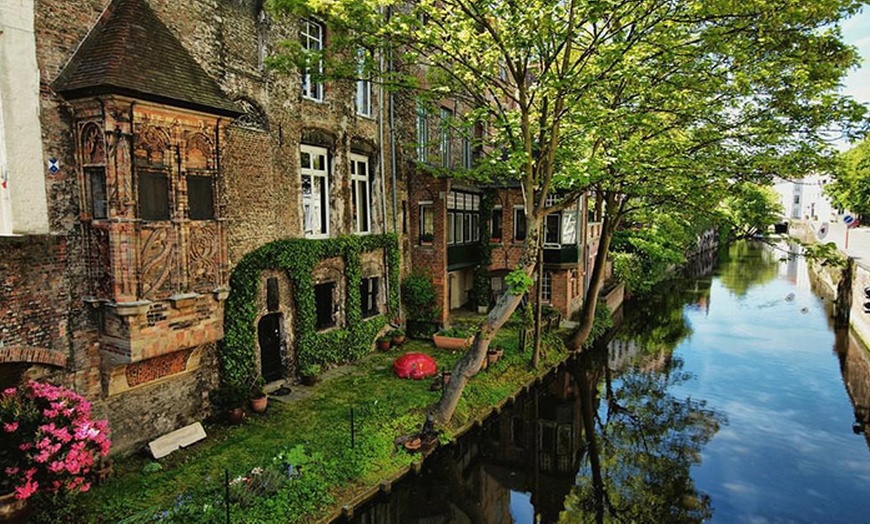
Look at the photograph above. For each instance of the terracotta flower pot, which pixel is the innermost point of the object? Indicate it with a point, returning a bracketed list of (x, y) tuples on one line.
[(236, 416), (258, 404), (398, 341), (384, 345)]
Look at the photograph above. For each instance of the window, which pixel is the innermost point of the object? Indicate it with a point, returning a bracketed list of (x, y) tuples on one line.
[(361, 191), (553, 228), (315, 190), (311, 37), (363, 100), (496, 224), (323, 305), (467, 158), (96, 179), (569, 228), (444, 148), (422, 134), (547, 286), (200, 197), (463, 217), (368, 292), (427, 222), (797, 199), (153, 195), (519, 224)]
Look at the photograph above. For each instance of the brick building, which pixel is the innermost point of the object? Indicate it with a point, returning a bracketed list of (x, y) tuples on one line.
[(149, 151), (149, 156)]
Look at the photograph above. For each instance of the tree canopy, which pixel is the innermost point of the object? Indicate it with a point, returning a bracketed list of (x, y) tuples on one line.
[(650, 104), (850, 188)]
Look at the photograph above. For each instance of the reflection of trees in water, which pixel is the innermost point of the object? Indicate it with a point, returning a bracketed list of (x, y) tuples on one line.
[(748, 264), (640, 449), (657, 322)]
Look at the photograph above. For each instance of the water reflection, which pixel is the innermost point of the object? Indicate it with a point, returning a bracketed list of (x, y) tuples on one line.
[(855, 367), (747, 265), (637, 432)]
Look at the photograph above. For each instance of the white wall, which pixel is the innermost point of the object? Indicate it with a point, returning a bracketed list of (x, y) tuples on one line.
[(23, 204)]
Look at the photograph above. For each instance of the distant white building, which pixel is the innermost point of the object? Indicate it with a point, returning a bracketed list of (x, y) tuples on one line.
[(804, 199)]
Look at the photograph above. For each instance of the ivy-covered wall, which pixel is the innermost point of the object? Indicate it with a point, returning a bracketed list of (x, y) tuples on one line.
[(298, 257)]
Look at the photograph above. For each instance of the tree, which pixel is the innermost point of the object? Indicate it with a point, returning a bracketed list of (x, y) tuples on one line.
[(850, 188), (751, 208), (651, 104)]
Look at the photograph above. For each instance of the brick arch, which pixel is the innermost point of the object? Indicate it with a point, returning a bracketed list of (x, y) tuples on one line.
[(32, 355)]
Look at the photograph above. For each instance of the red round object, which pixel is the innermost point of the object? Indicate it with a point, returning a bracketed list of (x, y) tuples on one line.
[(415, 365)]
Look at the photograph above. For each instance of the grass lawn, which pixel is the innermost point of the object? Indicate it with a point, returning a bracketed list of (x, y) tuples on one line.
[(313, 435)]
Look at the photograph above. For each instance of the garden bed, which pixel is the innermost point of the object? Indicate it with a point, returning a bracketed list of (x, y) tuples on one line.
[(188, 485)]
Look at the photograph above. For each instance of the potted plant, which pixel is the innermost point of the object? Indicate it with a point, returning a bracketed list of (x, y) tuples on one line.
[(308, 374), (397, 337), (231, 400), (51, 443), (383, 343), (259, 399), (452, 338)]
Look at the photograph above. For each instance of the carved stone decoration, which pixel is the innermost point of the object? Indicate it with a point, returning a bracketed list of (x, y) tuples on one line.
[(152, 142), (156, 259), (93, 145), (100, 266), (203, 256), (253, 118), (199, 151)]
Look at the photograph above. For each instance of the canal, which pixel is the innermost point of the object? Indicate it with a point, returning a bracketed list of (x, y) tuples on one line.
[(723, 398)]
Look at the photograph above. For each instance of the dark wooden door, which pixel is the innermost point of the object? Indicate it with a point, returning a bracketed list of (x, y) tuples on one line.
[(270, 335)]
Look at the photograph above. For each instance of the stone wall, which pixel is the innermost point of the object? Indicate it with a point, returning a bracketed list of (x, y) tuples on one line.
[(858, 317)]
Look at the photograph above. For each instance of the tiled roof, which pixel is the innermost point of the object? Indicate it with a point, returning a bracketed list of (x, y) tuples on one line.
[(131, 52)]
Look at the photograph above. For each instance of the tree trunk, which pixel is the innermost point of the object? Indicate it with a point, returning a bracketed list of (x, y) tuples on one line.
[(539, 294), (587, 411), (590, 301), (469, 364)]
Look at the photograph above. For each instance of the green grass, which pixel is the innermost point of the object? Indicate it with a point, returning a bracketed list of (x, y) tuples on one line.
[(189, 485)]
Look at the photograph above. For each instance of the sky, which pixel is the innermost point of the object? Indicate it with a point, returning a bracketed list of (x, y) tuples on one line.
[(856, 31)]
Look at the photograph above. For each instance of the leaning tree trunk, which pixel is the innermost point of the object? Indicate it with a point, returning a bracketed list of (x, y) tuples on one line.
[(590, 301), (469, 365)]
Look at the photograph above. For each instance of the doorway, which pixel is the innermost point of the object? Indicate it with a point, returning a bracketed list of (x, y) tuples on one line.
[(270, 334)]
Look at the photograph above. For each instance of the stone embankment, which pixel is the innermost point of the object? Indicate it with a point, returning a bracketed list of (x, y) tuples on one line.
[(851, 285)]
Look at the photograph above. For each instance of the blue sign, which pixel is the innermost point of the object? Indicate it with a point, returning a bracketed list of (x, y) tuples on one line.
[(53, 165), (850, 221)]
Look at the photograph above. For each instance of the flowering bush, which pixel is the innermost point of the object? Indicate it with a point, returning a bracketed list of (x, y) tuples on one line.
[(48, 441)]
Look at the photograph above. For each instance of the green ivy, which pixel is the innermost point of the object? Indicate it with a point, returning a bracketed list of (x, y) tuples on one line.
[(518, 282), (482, 281), (298, 257)]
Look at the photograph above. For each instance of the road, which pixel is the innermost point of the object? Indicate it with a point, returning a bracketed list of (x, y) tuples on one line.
[(859, 239)]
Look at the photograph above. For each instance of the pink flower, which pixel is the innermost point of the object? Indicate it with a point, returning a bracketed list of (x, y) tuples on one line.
[(10, 427), (26, 490)]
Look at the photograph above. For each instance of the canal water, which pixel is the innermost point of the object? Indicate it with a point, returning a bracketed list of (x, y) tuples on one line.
[(723, 398)]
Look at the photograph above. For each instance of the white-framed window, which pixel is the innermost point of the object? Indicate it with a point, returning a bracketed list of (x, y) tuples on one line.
[(444, 148), (546, 286), (312, 35), (463, 217), (363, 99), (361, 192), (315, 190), (427, 222), (422, 134)]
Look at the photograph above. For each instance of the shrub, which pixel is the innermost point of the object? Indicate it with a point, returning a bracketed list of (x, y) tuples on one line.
[(48, 441), (418, 295)]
